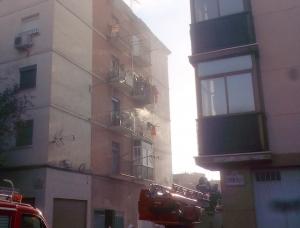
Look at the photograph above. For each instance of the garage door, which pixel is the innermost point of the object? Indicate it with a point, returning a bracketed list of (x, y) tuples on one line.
[(69, 213), (277, 198)]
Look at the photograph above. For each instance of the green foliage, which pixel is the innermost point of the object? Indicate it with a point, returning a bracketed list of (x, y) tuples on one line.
[(12, 106)]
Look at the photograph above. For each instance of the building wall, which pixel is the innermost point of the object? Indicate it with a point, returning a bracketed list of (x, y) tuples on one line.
[(13, 21), (61, 185), (162, 141), (31, 183), (12, 15), (118, 195), (70, 111), (72, 104), (278, 37)]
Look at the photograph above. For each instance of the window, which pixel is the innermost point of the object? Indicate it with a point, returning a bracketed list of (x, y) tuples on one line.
[(143, 159), (24, 133), (209, 9), (28, 77), (115, 64), (115, 157), (4, 221), (30, 23), (29, 221), (108, 218), (116, 116), (264, 176), (226, 86)]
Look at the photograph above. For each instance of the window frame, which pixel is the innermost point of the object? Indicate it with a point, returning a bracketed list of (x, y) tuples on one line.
[(24, 69), (143, 162), (25, 122), (254, 80), (42, 223), (246, 4)]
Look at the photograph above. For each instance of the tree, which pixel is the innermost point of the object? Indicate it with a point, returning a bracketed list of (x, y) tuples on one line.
[(12, 106)]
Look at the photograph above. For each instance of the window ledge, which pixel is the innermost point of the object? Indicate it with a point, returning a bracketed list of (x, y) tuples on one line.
[(212, 161), (22, 147)]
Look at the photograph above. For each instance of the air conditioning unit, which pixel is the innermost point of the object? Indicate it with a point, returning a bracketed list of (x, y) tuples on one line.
[(23, 41)]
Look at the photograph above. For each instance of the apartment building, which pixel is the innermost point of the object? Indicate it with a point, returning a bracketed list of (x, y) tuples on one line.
[(245, 54), (99, 127)]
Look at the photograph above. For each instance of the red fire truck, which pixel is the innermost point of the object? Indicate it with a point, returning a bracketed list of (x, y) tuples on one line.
[(172, 207), (15, 214)]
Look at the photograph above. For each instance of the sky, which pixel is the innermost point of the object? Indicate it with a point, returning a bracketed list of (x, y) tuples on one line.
[(169, 20)]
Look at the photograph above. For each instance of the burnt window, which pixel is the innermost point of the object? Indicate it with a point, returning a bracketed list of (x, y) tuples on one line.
[(28, 77), (24, 133)]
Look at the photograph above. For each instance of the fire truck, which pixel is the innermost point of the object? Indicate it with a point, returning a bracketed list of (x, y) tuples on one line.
[(172, 207), (15, 214)]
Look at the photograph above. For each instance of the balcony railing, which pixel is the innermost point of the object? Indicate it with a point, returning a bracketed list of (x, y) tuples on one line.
[(121, 79), (143, 92), (144, 131), (244, 133), (122, 122), (143, 172), (223, 32), (119, 38)]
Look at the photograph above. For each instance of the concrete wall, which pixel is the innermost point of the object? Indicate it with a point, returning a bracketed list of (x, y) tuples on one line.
[(71, 83), (162, 142), (60, 184), (31, 183), (12, 15), (278, 36), (121, 196), (238, 200), (39, 96)]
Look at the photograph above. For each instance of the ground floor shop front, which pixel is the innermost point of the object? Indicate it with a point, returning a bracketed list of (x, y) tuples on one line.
[(261, 197)]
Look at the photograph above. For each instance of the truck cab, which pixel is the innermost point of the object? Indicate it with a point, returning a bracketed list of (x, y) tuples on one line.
[(14, 214)]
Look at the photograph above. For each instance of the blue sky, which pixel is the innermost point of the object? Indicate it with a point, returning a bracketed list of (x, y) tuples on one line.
[(169, 20)]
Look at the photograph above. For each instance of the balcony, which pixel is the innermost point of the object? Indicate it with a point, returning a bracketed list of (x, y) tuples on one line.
[(143, 92), (143, 172), (233, 135), (119, 38), (144, 131), (223, 32), (143, 160), (141, 56), (122, 80), (122, 122)]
